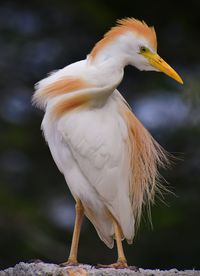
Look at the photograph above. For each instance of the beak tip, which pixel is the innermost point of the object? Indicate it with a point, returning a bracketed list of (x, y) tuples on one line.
[(180, 80)]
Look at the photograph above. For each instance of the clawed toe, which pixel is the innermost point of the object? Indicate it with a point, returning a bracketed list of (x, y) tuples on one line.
[(117, 265), (69, 263)]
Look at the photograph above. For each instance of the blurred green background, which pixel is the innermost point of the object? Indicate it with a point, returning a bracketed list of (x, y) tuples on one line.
[(36, 208)]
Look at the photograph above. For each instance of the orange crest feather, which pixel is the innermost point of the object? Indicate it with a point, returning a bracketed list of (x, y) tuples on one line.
[(124, 25)]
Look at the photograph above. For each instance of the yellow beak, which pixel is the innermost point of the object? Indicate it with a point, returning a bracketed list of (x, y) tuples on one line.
[(157, 62)]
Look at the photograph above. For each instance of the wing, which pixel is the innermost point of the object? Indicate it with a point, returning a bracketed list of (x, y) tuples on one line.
[(97, 139)]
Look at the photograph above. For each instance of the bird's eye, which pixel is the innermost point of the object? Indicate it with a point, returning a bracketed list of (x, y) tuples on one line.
[(143, 49)]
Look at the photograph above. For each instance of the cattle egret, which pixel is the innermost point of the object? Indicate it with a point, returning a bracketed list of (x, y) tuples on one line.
[(109, 160)]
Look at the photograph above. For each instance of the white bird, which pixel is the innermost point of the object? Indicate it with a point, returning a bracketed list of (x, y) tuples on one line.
[(109, 160)]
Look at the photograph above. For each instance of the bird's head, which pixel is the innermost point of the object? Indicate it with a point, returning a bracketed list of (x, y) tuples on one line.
[(137, 42)]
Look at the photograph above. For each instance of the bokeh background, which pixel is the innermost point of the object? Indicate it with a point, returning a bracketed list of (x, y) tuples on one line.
[(36, 208)]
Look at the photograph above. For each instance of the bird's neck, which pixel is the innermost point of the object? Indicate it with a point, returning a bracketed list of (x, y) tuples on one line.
[(109, 72), (109, 58)]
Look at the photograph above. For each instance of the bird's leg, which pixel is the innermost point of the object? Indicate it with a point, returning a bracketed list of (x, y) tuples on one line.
[(72, 260), (121, 260)]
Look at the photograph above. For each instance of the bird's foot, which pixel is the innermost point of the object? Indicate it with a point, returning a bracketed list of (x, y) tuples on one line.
[(70, 262), (117, 265)]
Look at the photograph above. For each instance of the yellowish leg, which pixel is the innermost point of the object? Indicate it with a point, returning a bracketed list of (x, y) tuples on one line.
[(118, 236), (121, 260), (72, 260)]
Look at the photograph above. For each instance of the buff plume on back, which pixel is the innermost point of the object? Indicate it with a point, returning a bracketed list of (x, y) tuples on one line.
[(146, 158)]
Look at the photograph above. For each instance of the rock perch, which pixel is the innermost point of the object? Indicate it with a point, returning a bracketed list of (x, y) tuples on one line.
[(44, 269)]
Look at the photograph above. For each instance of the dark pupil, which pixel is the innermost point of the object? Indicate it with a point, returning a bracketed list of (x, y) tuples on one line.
[(143, 49)]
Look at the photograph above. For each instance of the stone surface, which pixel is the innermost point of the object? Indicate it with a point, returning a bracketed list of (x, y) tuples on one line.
[(44, 269)]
